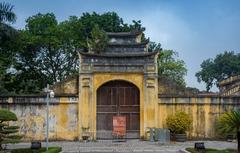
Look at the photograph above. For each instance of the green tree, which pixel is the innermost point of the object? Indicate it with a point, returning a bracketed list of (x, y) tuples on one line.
[(98, 40), (7, 39), (153, 46), (47, 54), (47, 50), (170, 67), (8, 133), (229, 122), (6, 13), (221, 67), (108, 22), (6, 16)]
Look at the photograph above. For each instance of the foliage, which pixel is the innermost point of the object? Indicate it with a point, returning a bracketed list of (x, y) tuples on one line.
[(45, 51), (44, 55), (8, 132), (6, 115), (209, 150), (6, 16), (53, 150), (7, 37), (154, 47), (221, 67), (6, 13), (98, 40), (42, 150), (179, 123), (229, 122), (171, 67), (109, 22)]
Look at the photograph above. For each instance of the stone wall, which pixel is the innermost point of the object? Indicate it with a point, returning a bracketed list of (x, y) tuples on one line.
[(31, 113), (203, 110), (64, 122)]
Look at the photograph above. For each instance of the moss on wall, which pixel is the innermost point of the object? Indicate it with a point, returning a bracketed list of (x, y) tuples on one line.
[(204, 112)]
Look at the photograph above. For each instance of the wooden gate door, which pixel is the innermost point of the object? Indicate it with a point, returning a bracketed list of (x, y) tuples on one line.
[(118, 98)]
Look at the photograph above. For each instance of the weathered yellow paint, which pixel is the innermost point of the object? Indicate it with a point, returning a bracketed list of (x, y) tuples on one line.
[(203, 110), (64, 116), (32, 120), (68, 86), (89, 85)]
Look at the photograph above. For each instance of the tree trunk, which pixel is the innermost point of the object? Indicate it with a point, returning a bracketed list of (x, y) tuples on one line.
[(238, 140)]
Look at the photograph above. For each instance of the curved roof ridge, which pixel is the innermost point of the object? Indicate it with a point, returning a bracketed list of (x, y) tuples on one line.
[(119, 55), (124, 34)]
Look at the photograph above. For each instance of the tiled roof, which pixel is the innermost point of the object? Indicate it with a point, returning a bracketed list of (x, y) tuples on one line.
[(129, 44), (142, 54), (124, 34)]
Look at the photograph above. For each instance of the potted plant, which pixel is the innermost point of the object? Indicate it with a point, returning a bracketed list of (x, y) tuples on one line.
[(178, 124)]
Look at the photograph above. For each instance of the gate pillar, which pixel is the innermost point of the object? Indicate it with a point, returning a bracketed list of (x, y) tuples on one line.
[(85, 107)]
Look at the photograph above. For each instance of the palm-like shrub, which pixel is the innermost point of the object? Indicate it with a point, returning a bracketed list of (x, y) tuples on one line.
[(6, 13), (6, 16), (229, 122), (179, 123)]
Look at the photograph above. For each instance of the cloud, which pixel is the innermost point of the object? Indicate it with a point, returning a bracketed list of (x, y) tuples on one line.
[(167, 28)]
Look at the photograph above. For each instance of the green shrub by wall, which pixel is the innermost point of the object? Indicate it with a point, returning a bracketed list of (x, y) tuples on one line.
[(179, 123), (42, 150), (53, 150)]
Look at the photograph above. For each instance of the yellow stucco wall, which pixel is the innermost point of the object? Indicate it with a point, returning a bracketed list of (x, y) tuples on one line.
[(89, 83), (68, 86), (63, 119), (64, 112), (203, 110)]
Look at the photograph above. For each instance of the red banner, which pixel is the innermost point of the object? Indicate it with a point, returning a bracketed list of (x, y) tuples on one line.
[(119, 126)]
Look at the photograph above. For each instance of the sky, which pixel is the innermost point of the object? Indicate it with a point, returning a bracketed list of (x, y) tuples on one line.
[(196, 29)]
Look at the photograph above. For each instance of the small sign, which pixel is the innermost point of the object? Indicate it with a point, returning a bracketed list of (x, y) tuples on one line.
[(119, 126)]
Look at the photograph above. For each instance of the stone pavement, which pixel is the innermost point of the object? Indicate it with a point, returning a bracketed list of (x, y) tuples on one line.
[(129, 146)]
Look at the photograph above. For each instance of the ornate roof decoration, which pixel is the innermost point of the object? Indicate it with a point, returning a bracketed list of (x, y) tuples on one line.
[(125, 52), (230, 86)]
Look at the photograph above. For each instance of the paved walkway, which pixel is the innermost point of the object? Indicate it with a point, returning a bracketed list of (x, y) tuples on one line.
[(129, 146)]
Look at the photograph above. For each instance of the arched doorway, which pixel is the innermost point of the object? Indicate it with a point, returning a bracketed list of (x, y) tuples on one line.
[(118, 98)]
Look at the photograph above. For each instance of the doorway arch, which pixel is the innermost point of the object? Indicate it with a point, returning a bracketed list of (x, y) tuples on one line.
[(118, 97)]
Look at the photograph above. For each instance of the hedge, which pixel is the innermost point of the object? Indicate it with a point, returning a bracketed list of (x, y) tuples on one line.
[(53, 150), (42, 150)]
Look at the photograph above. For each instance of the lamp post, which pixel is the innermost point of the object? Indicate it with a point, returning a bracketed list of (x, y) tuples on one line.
[(50, 94)]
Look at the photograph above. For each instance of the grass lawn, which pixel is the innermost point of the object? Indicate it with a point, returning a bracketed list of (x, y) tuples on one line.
[(208, 150), (42, 150)]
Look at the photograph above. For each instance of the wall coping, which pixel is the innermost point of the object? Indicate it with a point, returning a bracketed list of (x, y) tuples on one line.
[(34, 100), (197, 96)]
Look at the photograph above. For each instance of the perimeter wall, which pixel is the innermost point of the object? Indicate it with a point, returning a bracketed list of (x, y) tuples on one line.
[(63, 117), (203, 110)]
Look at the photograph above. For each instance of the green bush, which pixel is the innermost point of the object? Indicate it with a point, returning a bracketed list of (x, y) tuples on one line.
[(8, 132), (42, 150), (27, 150), (179, 123), (209, 150), (53, 150)]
